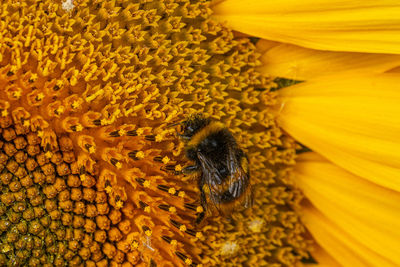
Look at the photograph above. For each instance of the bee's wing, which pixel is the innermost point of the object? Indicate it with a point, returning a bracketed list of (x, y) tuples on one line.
[(239, 179), (211, 175), (240, 176)]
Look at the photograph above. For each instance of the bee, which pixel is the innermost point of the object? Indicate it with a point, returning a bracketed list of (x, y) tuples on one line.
[(220, 165)]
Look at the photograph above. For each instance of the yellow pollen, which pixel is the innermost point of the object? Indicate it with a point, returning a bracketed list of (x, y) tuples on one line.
[(48, 154), (139, 131), (147, 209), (119, 204), (92, 149), (146, 184), (6, 248), (4, 113), (174, 242), (206, 189), (172, 209), (199, 209), (148, 232), (59, 83), (182, 228), (188, 261), (256, 225), (181, 194), (118, 165), (40, 96), (229, 248), (108, 189), (172, 191), (60, 110), (165, 160), (26, 123), (105, 122), (17, 94), (139, 155), (134, 245), (13, 69), (40, 134), (178, 168), (79, 128), (83, 177), (76, 104), (199, 235), (122, 132), (34, 77), (158, 138)]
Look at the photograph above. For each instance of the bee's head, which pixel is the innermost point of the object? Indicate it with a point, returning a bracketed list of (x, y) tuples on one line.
[(192, 125)]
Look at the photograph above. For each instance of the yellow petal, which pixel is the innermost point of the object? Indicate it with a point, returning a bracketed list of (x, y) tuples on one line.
[(352, 120), (336, 25), (395, 70), (346, 250), (366, 212), (323, 258), (264, 45), (298, 63)]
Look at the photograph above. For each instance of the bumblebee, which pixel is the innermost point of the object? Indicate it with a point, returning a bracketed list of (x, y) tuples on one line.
[(220, 166)]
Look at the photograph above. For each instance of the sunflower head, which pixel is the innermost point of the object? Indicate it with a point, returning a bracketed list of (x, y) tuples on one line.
[(90, 170)]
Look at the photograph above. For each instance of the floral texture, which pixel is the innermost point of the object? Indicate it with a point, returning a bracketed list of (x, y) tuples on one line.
[(346, 110), (91, 172)]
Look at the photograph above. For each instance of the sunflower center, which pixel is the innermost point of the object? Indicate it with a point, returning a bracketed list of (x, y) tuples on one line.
[(51, 212), (87, 93)]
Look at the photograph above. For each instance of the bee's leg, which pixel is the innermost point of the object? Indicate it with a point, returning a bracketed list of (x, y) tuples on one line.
[(203, 201), (200, 217), (184, 137), (190, 169)]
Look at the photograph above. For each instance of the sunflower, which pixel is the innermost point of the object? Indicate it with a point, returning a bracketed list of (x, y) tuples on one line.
[(91, 171), (345, 111)]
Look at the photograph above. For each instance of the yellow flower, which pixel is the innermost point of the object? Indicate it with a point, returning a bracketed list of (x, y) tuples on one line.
[(346, 109), (91, 172)]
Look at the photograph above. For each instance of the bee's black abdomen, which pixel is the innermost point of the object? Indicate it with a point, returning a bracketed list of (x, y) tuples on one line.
[(226, 197), (234, 192)]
